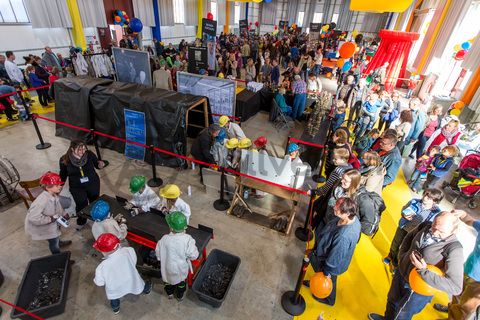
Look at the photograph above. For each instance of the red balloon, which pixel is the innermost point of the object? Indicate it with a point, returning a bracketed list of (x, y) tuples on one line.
[(275, 27), (460, 55), (257, 24), (209, 16), (251, 23)]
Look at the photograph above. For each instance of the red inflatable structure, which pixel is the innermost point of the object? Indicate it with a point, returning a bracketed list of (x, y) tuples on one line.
[(394, 48)]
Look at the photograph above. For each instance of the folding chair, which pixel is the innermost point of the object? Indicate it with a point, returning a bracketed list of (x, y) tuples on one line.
[(280, 120)]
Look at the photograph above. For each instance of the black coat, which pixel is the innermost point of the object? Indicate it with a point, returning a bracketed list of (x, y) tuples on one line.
[(74, 174), (201, 147)]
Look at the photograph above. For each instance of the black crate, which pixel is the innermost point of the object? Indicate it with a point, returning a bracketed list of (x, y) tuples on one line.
[(28, 286), (215, 256)]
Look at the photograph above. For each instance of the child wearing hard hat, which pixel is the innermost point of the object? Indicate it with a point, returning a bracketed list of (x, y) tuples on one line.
[(244, 143), (144, 197), (219, 151), (261, 145), (232, 145), (171, 201), (233, 129), (104, 223), (118, 272), (293, 152), (175, 251), (45, 210)]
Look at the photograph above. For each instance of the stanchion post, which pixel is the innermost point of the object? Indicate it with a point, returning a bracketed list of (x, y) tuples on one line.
[(97, 149), (25, 104), (221, 204), (154, 181), (42, 145), (292, 301), (302, 232)]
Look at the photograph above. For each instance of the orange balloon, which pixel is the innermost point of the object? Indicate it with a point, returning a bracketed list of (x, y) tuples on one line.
[(340, 62), (347, 50), (118, 19), (320, 285), (458, 105), (329, 75), (419, 285)]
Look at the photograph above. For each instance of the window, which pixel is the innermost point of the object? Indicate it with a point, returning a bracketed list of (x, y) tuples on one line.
[(237, 14), (300, 19), (317, 17), (213, 9), (178, 11), (335, 17), (13, 11)]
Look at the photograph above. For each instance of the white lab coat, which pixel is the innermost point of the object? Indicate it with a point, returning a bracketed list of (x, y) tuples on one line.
[(234, 131), (175, 251), (109, 225), (148, 199), (179, 205), (119, 275)]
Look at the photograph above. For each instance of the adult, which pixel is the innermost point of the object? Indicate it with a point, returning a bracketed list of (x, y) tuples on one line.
[(433, 122), (13, 71), (390, 111), (380, 75), (3, 71), (391, 157), (245, 50), (162, 78), (250, 71), (447, 135), (40, 71), (204, 142), (233, 129), (373, 172), (170, 50), (158, 47), (78, 165), (356, 99), (345, 90), (50, 59), (9, 111), (318, 61), (335, 245), (402, 125), (430, 244), (419, 120), (299, 88), (282, 103)]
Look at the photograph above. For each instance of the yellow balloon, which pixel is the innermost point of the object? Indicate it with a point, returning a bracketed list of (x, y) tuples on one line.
[(325, 27), (455, 112), (355, 33), (457, 47)]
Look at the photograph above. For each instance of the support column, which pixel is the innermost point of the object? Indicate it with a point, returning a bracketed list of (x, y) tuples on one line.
[(200, 16), (156, 30), (227, 17), (77, 27), (472, 87), (246, 12)]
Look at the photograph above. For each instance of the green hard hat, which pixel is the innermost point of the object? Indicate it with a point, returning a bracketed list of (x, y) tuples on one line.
[(137, 183), (176, 221)]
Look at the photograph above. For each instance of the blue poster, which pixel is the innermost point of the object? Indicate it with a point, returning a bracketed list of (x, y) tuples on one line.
[(135, 131)]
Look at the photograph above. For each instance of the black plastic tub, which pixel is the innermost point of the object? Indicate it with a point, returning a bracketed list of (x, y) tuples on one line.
[(215, 257), (28, 287)]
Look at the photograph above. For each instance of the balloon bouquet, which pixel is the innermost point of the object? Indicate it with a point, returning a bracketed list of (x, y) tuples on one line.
[(133, 25), (461, 50)]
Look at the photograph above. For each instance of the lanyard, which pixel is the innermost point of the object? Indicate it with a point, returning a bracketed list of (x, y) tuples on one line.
[(81, 172)]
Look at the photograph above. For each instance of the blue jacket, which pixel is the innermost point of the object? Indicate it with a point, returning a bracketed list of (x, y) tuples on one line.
[(35, 81), (275, 75), (363, 144), (280, 100), (338, 120), (441, 164), (421, 214), (392, 161), (418, 125)]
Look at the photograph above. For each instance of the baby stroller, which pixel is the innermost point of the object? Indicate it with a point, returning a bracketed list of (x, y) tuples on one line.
[(466, 180)]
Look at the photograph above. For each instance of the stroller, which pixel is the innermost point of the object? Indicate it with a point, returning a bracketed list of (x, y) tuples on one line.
[(466, 180)]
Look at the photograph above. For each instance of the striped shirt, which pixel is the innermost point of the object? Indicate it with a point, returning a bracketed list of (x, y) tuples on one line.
[(334, 177), (299, 87)]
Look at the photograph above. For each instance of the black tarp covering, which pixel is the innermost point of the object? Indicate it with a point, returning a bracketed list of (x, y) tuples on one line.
[(72, 104), (165, 113)]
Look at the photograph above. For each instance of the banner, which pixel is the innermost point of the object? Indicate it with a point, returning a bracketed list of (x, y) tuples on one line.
[(243, 24), (314, 36), (197, 59), (209, 39), (135, 131), (283, 25), (315, 27), (132, 66)]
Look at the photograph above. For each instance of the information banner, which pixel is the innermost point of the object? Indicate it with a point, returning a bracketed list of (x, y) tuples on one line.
[(314, 36), (283, 25), (197, 59), (243, 24), (132, 66), (135, 131), (209, 39)]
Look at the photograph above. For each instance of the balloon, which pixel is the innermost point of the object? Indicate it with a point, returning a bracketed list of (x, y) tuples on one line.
[(136, 25), (118, 19), (458, 105), (329, 75), (455, 112), (251, 23), (419, 285), (354, 33), (466, 45), (340, 62), (460, 55), (347, 50), (126, 17), (267, 1), (322, 36), (325, 27), (275, 27), (209, 16), (257, 24), (124, 13), (294, 26), (275, 32), (368, 80), (457, 48), (320, 285), (346, 66)]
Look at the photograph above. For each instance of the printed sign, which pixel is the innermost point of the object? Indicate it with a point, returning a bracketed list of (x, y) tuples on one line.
[(243, 24), (209, 39), (135, 131)]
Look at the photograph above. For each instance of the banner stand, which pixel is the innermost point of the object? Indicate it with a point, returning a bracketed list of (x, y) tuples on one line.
[(154, 181)]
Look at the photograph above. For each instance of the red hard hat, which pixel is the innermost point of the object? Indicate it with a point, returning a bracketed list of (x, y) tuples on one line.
[(260, 142), (51, 179), (107, 242)]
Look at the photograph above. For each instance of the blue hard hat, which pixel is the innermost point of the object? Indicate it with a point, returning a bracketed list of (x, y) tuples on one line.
[(222, 135), (100, 210), (292, 147)]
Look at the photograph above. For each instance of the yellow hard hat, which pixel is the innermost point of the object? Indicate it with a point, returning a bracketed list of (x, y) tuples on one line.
[(232, 143), (245, 143), (170, 191), (221, 75), (223, 121)]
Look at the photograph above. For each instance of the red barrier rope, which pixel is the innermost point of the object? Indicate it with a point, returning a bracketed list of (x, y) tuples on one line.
[(211, 165), (21, 310), (307, 143), (26, 90)]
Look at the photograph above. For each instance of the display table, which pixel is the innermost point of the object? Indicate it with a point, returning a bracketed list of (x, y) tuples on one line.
[(147, 228), (249, 103)]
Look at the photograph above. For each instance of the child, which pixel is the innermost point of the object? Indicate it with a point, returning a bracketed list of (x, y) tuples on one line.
[(368, 114), (412, 84), (339, 141), (275, 74), (144, 198), (365, 143), (440, 165), (51, 79), (175, 252), (414, 213), (421, 168), (261, 145), (35, 81), (117, 272), (402, 125), (218, 150), (171, 201), (104, 223), (41, 219), (233, 157), (339, 115), (22, 113)]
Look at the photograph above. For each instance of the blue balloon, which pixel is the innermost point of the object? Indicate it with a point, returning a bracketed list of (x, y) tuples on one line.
[(346, 66), (267, 1), (466, 45), (136, 25)]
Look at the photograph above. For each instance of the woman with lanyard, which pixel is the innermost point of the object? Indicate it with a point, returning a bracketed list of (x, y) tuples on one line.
[(78, 165)]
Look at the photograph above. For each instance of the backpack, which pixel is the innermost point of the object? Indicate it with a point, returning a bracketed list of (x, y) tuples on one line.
[(370, 203)]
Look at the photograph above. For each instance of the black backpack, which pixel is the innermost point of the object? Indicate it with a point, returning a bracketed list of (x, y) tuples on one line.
[(375, 204)]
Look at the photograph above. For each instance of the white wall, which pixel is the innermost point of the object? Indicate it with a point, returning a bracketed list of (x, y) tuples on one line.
[(178, 32), (23, 40)]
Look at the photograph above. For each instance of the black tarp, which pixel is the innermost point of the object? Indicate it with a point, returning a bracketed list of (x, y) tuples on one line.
[(165, 113)]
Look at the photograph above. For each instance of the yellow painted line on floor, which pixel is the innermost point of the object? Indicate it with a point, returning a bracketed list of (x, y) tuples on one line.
[(364, 287)]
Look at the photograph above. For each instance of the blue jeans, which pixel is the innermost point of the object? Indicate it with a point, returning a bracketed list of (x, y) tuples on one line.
[(420, 145), (299, 102), (402, 302), (4, 89), (54, 245), (316, 69), (364, 123), (115, 303), (416, 179)]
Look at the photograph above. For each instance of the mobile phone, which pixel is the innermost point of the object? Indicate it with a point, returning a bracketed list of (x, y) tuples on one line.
[(418, 255)]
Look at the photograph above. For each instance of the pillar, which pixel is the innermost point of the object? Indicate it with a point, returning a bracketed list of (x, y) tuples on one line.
[(227, 17), (200, 17), (77, 27), (156, 30), (472, 87)]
